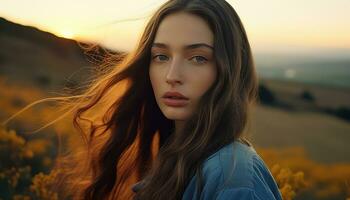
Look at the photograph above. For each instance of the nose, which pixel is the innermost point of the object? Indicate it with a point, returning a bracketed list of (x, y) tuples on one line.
[(174, 73)]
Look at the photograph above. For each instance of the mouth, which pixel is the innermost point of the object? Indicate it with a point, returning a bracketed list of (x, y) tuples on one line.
[(175, 101)]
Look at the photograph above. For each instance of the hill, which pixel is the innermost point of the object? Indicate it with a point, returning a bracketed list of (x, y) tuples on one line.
[(32, 56)]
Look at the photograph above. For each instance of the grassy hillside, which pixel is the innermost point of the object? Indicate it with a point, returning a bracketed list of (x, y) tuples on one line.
[(31, 56)]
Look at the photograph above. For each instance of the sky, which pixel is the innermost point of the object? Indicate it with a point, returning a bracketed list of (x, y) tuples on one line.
[(271, 25)]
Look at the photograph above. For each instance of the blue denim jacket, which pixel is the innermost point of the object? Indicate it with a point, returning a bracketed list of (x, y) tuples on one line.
[(235, 172)]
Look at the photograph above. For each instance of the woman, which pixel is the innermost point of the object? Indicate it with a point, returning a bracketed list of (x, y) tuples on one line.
[(190, 84)]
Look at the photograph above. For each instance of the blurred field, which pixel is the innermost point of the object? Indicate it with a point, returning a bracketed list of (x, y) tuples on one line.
[(325, 138), (325, 96)]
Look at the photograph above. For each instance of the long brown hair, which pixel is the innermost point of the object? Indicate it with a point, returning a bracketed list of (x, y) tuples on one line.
[(133, 137)]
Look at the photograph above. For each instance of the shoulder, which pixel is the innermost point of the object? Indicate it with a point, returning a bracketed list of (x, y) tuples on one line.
[(236, 170), (235, 160)]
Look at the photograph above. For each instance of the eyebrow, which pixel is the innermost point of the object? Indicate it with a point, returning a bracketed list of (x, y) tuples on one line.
[(187, 47)]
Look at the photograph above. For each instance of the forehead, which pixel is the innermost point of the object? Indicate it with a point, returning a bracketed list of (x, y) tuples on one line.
[(180, 29)]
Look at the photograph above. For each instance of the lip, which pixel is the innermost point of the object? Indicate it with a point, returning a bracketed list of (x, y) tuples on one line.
[(182, 101), (175, 102), (175, 94)]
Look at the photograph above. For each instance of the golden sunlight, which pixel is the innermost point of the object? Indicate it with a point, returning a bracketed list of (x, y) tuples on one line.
[(66, 33)]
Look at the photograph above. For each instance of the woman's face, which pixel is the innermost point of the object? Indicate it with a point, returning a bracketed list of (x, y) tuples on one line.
[(182, 61)]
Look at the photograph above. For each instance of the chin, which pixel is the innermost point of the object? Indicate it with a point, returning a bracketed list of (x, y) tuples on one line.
[(172, 114), (174, 117)]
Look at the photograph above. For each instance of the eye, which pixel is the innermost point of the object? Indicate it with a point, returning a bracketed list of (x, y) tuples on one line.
[(200, 59), (159, 56)]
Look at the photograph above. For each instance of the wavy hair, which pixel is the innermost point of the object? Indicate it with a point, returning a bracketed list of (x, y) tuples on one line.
[(133, 140)]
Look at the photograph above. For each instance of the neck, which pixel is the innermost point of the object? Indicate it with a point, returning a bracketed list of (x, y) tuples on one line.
[(179, 124)]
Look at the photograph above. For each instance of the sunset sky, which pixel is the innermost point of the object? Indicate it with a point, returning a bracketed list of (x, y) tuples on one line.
[(272, 25)]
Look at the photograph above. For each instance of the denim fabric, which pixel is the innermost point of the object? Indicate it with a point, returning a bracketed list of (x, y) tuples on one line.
[(235, 172)]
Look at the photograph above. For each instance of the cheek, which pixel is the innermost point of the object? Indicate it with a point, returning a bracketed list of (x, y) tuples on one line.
[(155, 78), (203, 81)]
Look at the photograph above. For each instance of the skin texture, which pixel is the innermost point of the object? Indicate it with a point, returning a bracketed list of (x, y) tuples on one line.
[(174, 68)]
